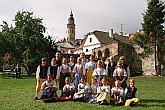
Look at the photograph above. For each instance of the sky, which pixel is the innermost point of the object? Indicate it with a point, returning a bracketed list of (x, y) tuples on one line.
[(89, 15)]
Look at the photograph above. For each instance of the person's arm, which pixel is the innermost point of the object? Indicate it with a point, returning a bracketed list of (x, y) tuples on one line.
[(125, 77), (128, 72), (122, 92), (108, 90), (136, 94), (72, 87), (104, 72), (84, 71), (43, 86), (48, 71), (58, 72), (37, 73), (65, 88), (69, 68), (54, 84), (125, 92), (114, 74), (74, 69)]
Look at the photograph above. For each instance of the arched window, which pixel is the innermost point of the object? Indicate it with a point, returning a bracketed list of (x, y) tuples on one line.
[(99, 54), (107, 53)]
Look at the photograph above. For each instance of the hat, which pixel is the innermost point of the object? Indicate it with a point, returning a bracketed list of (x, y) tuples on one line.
[(43, 59)]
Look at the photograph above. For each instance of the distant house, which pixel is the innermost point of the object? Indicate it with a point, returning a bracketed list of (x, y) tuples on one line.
[(105, 44), (65, 47)]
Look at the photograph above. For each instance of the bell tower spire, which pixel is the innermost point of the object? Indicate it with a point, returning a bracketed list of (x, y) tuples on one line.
[(71, 28)]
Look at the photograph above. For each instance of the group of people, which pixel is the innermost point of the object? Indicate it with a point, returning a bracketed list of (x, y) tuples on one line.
[(103, 82)]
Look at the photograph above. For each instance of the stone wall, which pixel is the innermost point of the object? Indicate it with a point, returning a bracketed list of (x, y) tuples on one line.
[(148, 64)]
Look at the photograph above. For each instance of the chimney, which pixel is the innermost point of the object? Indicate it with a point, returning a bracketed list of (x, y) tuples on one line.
[(111, 33), (121, 33)]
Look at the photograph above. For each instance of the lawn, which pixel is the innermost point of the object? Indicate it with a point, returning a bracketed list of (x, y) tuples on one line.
[(19, 93)]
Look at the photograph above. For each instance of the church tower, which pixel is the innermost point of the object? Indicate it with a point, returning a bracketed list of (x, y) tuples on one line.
[(71, 29)]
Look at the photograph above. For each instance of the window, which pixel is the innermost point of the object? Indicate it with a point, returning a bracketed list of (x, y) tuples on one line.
[(86, 50), (90, 40)]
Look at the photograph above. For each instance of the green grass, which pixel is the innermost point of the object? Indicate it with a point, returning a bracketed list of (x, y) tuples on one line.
[(19, 93)]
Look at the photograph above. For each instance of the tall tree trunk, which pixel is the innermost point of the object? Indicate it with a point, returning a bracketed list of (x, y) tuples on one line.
[(155, 48), (27, 70), (160, 58)]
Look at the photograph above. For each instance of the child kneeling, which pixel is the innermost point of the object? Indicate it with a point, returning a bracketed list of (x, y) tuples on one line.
[(49, 89), (131, 94)]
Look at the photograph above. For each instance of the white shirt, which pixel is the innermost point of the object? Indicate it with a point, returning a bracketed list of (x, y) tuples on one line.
[(106, 89), (90, 66), (46, 84), (119, 69), (79, 66), (94, 88), (83, 86), (99, 71), (118, 90), (38, 73), (64, 66), (68, 86)]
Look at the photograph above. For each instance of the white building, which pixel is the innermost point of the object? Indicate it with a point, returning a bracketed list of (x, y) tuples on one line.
[(96, 39)]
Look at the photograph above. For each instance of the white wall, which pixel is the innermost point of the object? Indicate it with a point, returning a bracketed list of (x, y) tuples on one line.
[(78, 51), (94, 40), (91, 45), (90, 48)]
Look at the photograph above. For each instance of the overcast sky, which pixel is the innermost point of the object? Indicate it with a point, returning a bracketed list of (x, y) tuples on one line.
[(89, 15)]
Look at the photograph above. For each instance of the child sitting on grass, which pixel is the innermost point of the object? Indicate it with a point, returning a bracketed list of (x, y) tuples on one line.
[(93, 93), (104, 92), (83, 91), (131, 94), (49, 89), (68, 90), (117, 94)]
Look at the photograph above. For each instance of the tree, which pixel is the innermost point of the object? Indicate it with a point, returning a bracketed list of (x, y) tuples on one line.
[(153, 38), (27, 38)]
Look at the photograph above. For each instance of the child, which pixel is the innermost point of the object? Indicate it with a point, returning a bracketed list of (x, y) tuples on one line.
[(52, 69), (83, 91), (126, 67), (120, 74), (117, 94), (18, 70), (131, 94), (58, 59), (93, 94), (110, 69), (71, 64), (99, 72), (48, 88), (83, 59), (90, 66), (104, 93), (79, 71), (68, 90), (103, 62), (63, 72), (41, 75)]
